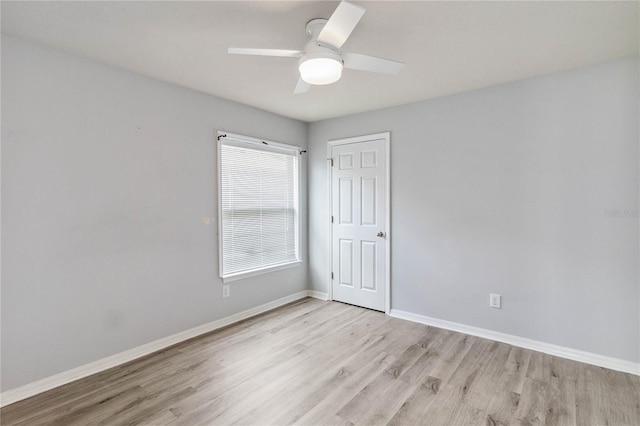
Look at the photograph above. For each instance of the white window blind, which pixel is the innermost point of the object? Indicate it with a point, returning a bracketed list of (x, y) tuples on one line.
[(258, 206)]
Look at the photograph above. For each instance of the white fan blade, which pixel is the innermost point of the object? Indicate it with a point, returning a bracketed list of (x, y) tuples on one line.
[(357, 61), (301, 87), (265, 52), (341, 24)]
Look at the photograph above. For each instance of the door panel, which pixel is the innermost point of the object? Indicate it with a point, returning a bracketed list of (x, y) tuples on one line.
[(368, 263), (368, 203), (346, 161), (346, 201), (345, 276), (368, 159), (358, 187)]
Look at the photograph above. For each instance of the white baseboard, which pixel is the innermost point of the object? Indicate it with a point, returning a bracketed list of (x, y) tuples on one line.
[(31, 389), (547, 348), (317, 295)]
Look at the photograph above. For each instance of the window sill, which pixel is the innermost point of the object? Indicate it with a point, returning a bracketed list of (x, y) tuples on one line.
[(254, 272)]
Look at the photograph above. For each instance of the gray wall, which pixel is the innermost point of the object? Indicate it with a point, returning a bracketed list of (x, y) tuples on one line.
[(106, 179), (504, 190)]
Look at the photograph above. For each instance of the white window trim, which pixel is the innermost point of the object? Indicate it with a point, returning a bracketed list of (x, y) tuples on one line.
[(267, 146), (253, 272)]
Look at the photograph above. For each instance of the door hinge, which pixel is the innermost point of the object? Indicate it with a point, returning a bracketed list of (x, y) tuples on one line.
[(331, 219), (331, 160), (332, 275)]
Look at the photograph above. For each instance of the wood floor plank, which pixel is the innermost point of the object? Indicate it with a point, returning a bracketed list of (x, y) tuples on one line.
[(414, 409), (313, 363), (441, 359), (326, 408), (516, 369), (606, 396), (532, 408), (368, 408), (294, 393), (343, 375), (162, 417), (489, 391), (449, 408)]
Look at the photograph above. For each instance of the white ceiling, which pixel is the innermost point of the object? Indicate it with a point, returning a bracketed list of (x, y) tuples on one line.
[(447, 47)]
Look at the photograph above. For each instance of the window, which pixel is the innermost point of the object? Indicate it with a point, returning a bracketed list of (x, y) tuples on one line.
[(258, 206)]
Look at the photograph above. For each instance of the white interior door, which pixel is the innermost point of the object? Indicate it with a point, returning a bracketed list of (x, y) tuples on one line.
[(359, 183)]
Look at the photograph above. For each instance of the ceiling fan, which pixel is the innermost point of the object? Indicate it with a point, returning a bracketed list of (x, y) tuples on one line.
[(321, 61)]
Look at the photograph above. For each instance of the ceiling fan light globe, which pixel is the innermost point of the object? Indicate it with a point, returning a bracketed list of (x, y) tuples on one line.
[(320, 71)]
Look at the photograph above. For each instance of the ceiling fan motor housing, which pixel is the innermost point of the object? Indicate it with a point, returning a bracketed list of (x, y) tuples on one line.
[(314, 27), (315, 49)]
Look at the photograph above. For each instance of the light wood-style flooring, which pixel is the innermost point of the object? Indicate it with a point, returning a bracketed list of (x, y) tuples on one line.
[(315, 362)]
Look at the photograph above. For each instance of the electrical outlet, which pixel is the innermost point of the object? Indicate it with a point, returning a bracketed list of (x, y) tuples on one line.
[(495, 301), (226, 292)]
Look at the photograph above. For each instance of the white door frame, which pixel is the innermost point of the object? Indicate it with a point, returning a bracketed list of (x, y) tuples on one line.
[(387, 241)]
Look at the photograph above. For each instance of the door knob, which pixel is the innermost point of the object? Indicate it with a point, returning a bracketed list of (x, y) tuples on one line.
[(380, 234)]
